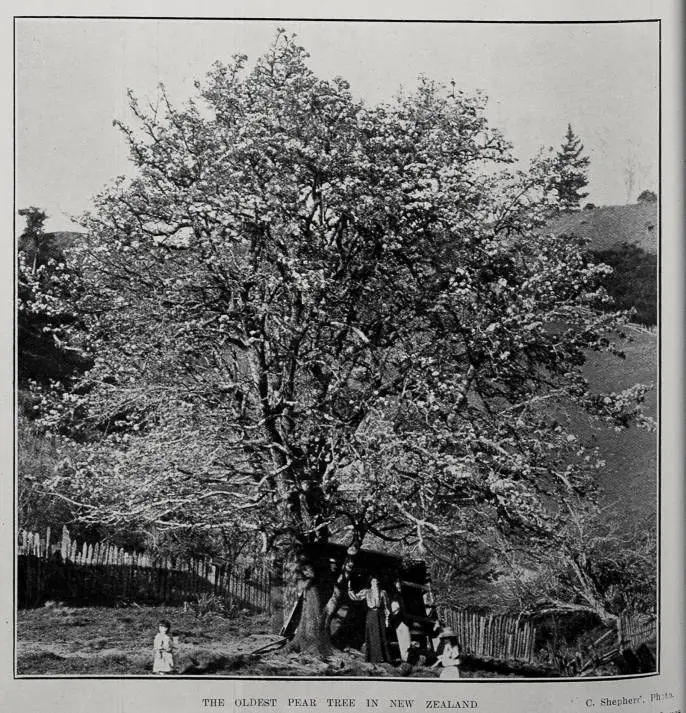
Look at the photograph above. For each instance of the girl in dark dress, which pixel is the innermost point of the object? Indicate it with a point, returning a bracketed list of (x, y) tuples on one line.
[(375, 626)]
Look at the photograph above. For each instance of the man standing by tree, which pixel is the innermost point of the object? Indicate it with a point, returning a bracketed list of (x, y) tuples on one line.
[(571, 168)]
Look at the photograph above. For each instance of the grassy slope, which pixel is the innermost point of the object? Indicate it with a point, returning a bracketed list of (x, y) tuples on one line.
[(629, 480), (612, 225)]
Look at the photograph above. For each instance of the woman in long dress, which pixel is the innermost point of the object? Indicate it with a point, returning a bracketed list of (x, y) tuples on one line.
[(375, 625)]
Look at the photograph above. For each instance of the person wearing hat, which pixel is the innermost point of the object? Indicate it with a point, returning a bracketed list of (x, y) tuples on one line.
[(449, 657)]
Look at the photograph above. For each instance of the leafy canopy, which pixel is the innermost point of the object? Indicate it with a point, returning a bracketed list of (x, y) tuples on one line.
[(307, 312)]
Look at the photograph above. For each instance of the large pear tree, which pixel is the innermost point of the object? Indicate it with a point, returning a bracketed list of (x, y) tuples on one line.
[(307, 313)]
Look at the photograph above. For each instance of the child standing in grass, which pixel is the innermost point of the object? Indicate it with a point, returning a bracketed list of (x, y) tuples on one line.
[(163, 649), (450, 656)]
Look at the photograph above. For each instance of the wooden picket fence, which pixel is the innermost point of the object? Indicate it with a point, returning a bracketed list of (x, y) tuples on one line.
[(90, 573), (506, 638), (637, 629), (493, 636), (632, 631)]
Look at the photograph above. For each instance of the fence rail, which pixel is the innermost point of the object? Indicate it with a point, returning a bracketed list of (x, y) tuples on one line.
[(637, 630), (506, 638), (501, 637), (102, 573)]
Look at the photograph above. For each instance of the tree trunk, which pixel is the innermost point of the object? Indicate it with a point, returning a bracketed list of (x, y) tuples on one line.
[(311, 635), (305, 573), (340, 584)]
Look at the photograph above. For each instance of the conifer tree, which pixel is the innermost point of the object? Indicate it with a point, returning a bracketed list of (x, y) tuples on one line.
[(571, 171)]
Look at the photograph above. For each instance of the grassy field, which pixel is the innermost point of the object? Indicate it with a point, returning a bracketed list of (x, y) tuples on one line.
[(94, 641), (98, 640)]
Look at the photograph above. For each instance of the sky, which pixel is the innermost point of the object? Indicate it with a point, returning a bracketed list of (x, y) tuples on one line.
[(71, 79)]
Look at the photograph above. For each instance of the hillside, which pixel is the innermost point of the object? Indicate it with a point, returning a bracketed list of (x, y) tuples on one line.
[(629, 479), (610, 226), (62, 240)]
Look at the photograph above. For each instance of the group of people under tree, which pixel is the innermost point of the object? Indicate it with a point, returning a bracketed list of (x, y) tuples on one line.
[(386, 620)]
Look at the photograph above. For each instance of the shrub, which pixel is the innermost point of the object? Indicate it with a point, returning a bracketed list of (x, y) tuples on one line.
[(633, 284), (647, 197), (36, 460)]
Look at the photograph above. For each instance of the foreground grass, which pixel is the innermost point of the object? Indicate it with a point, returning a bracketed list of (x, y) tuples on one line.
[(98, 641)]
